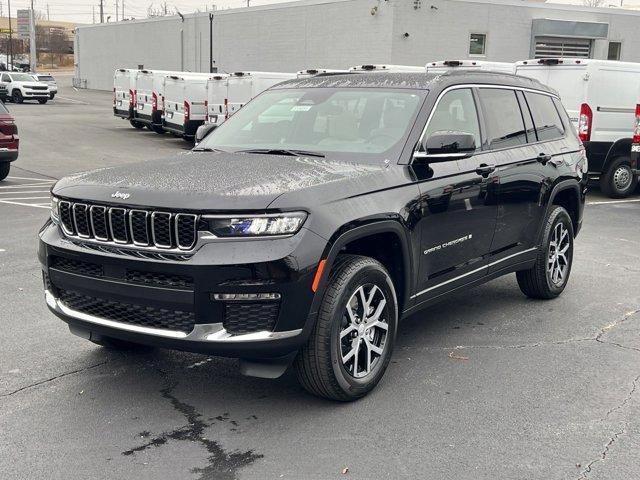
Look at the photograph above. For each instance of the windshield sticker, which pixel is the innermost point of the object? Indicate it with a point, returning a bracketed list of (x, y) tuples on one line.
[(301, 108)]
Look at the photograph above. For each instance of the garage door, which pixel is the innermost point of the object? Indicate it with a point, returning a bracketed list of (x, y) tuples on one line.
[(562, 47)]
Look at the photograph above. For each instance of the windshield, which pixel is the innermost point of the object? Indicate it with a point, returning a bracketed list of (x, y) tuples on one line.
[(45, 78), (353, 124), (22, 77)]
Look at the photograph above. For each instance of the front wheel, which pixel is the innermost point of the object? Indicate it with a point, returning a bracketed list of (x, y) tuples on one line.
[(52, 96), (549, 275), (137, 125), (352, 341), (17, 96), (619, 181), (4, 170)]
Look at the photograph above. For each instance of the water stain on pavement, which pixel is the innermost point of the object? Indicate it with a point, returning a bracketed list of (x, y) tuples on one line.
[(222, 465)]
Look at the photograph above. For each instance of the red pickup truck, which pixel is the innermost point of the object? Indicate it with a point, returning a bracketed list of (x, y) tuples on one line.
[(8, 141)]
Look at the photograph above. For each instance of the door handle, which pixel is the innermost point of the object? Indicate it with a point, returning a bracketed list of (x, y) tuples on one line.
[(484, 169), (543, 158)]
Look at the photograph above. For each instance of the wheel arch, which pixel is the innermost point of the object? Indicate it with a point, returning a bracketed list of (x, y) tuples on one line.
[(620, 148), (370, 239), (567, 195)]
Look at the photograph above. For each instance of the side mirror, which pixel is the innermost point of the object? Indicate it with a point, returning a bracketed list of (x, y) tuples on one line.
[(445, 146), (203, 131)]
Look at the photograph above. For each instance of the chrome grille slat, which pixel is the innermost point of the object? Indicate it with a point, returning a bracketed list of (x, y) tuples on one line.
[(141, 228)]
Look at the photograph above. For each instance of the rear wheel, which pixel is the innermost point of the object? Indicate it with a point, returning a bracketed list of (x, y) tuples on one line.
[(52, 96), (550, 274), (111, 343), (136, 124), (4, 170), (17, 96), (158, 129), (619, 180), (352, 341)]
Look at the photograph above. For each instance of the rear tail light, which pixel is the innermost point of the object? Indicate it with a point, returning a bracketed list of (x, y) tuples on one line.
[(226, 108), (584, 122), (154, 102), (132, 95), (187, 111), (636, 128)]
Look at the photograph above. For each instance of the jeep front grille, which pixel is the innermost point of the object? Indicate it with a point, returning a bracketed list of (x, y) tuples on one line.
[(124, 226)]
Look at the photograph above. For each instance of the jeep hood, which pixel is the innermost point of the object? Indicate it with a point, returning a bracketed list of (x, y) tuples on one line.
[(207, 181)]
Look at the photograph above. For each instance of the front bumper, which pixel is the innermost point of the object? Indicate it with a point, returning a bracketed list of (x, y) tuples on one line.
[(284, 266)]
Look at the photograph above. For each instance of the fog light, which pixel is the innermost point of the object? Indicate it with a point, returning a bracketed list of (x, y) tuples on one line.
[(245, 297)]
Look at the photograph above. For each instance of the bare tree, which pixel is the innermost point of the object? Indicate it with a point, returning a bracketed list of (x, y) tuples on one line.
[(162, 10)]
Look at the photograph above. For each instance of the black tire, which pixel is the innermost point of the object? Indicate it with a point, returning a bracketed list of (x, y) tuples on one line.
[(52, 96), (158, 129), (17, 97), (618, 180), (319, 364), (42, 101), (111, 343), (137, 125), (4, 170), (539, 282)]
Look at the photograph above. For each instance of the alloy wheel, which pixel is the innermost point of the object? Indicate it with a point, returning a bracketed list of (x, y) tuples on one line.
[(363, 330), (558, 259)]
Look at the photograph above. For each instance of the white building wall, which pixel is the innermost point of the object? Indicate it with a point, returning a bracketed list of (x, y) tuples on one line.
[(334, 34)]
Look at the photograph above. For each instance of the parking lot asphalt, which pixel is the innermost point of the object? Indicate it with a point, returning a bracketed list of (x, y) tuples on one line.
[(486, 385)]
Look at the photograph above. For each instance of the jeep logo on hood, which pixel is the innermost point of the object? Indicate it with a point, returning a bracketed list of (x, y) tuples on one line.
[(121, 195)]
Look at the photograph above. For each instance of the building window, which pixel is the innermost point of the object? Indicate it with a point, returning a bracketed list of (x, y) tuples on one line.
[(477, 43), (614, 51)]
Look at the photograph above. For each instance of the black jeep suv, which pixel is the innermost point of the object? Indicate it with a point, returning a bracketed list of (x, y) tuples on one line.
[(302, 229)]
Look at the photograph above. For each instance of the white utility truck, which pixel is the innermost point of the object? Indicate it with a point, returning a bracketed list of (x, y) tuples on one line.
[(149, 88), (185, 95), (124, 94), (442, 66), (243, 86), (600, 97), (216, 106)]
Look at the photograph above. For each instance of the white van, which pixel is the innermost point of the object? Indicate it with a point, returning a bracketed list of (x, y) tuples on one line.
[(600, 97), (442, 66), (123, 94), (312, 72), (387, 68), (243, 86), (185, 95), (149, 88), (217, 98)]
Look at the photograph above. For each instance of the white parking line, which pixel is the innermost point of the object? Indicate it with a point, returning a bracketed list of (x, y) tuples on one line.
[(25, 204), (21, 192), (72, 100), (31, 178), (22, 198), (632, 200), (26, 185)]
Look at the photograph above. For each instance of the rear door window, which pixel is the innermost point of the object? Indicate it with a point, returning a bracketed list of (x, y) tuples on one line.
[(546, 118), (505, 126)]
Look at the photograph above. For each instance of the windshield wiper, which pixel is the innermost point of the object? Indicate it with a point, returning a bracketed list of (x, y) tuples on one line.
[(283, 151), (208, 149)]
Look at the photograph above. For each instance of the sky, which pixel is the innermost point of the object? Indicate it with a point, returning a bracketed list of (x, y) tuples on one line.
[(81, 11)]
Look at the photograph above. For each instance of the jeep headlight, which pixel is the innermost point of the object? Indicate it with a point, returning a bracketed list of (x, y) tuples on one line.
[(256, 225), (55, 209)]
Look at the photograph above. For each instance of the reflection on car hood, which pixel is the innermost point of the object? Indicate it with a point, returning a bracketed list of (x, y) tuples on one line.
[(213, 181)]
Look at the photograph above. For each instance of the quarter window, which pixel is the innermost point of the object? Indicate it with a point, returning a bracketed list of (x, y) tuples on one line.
[(5, 78), (545, 116), (456, 111), (614, 51), (477, 43), (504, 120)]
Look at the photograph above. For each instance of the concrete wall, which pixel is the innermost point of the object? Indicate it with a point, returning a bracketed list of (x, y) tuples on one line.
[(333, 34)]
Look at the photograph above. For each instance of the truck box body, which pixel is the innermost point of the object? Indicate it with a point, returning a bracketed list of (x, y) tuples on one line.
[(123, 91), (216, 98), (243, 86), (442, 66), (610, 89), (149, 88), (185, 95)]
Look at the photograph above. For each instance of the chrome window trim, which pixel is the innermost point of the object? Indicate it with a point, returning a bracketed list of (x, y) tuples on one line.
[(93, 228), (133, 238), (479, 86), (153, 230), (75, 223), (124, 212)]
